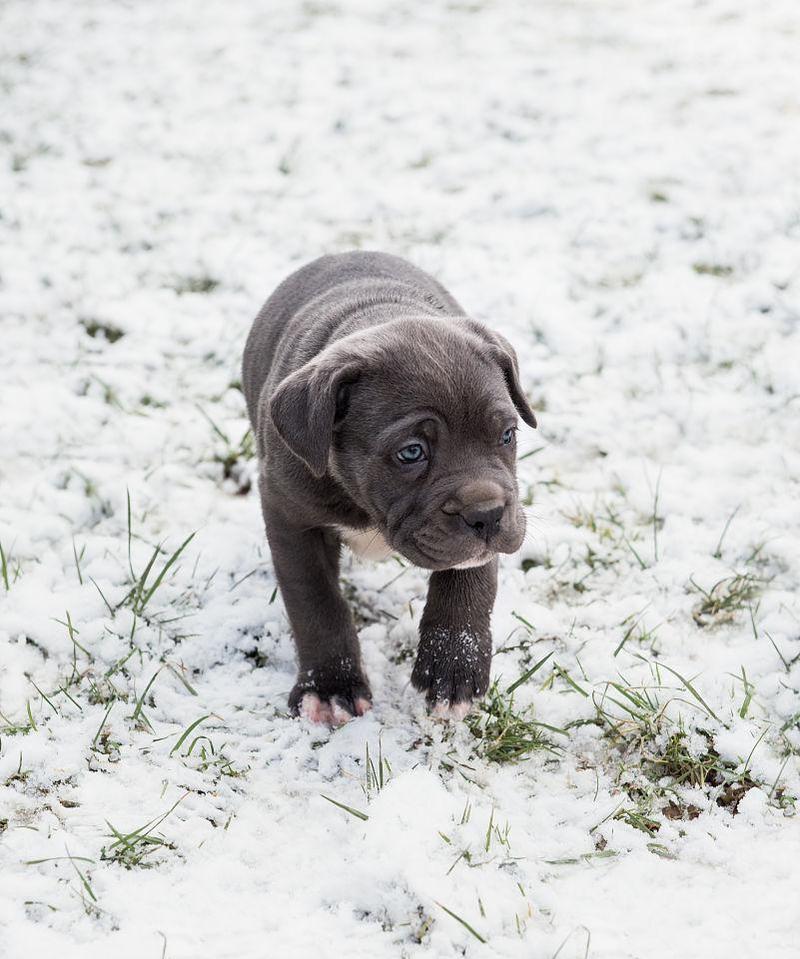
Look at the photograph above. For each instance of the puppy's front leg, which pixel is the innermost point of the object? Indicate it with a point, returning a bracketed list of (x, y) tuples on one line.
[(331, 686), (455, 646)]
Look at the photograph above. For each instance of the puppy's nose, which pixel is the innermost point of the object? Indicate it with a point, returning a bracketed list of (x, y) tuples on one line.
[(484, 518)]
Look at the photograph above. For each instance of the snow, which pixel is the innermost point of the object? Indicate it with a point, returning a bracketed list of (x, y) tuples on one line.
[(612, 185)]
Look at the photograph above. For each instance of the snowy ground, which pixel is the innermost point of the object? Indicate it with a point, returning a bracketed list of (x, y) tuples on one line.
[(614, 186)]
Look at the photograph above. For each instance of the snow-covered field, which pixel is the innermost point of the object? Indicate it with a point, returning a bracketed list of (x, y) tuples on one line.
[(611, 184)]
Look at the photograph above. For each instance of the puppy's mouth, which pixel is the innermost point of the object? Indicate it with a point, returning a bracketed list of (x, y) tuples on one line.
[(481, 560), (428, 556), (430, 547)]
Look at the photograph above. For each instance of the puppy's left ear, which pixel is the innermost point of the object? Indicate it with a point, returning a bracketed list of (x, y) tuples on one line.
[(305, 405), (506, 357)]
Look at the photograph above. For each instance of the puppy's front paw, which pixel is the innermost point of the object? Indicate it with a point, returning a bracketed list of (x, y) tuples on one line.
[(452, 669), (332, 695)]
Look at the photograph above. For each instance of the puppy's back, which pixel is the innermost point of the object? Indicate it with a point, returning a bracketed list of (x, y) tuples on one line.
[(315, 280)]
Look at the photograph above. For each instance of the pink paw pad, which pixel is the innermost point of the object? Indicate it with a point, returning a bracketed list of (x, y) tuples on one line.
[(317, 710), (362, 706), (340, 715), (455, 713)]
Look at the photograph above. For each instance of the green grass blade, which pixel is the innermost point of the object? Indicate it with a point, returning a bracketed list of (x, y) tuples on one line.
[(105, 717), (179, 676), (353, 812), (82, 878), (693, 691), (140, 703), (77, 560), (4, 567), (149, 594), (463, 922), (109, 607), (45, 697), (138, 587), (527, 675), (187, 732), (525, 623), (130, 533), (567, 678), (36, 862)]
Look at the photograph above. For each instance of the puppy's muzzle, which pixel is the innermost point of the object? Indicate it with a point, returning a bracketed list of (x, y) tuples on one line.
[(480, 506), (484, 519)]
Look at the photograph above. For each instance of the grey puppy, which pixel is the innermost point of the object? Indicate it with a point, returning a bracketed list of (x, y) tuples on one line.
[(386, 418)]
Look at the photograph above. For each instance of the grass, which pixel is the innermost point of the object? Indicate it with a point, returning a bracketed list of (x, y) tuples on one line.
[(138, 712), (636, 630), (717, 554), (639, 819), (144, 587), (72, 632), (528, 674), (86, 886), (375, 777), (186, 733), (9, 571), (4, 567), (659, 748), (505, 733), (681, 764), (470, 929), (234, 455), (209, 756), (357, 813), (202, 283), (12, 728), (657, 521), (100, 728), (97, 328), (748, 689), (712, 269), (726, 598), (642, 708), (21, 774), (656, 755), (619, 532), (557, 953), (78, 557), (494, 841), (133, 849), (727, 782), (637, 719)]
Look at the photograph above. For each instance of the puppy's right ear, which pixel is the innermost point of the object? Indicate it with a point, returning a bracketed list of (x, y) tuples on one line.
[(304, 408), (506, 357)]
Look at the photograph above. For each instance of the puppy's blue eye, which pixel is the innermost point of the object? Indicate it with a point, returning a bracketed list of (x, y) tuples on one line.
[(412, 453), (508, 436)]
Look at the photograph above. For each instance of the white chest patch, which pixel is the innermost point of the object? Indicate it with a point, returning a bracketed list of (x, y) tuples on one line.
[(367, 543)]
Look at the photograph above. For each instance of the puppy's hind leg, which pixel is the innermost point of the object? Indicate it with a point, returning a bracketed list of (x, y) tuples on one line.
[(455, 647), (331, 686)]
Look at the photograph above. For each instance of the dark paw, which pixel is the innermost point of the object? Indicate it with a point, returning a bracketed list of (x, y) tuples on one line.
[(452, 669), (332, 694)]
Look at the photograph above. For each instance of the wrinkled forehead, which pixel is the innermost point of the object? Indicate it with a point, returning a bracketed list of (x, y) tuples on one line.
[(463, 385)]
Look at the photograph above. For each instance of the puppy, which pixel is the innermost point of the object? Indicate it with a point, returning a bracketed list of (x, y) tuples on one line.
[(385, 418)]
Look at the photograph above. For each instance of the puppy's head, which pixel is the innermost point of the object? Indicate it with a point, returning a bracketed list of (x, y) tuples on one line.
[(417, 421)]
